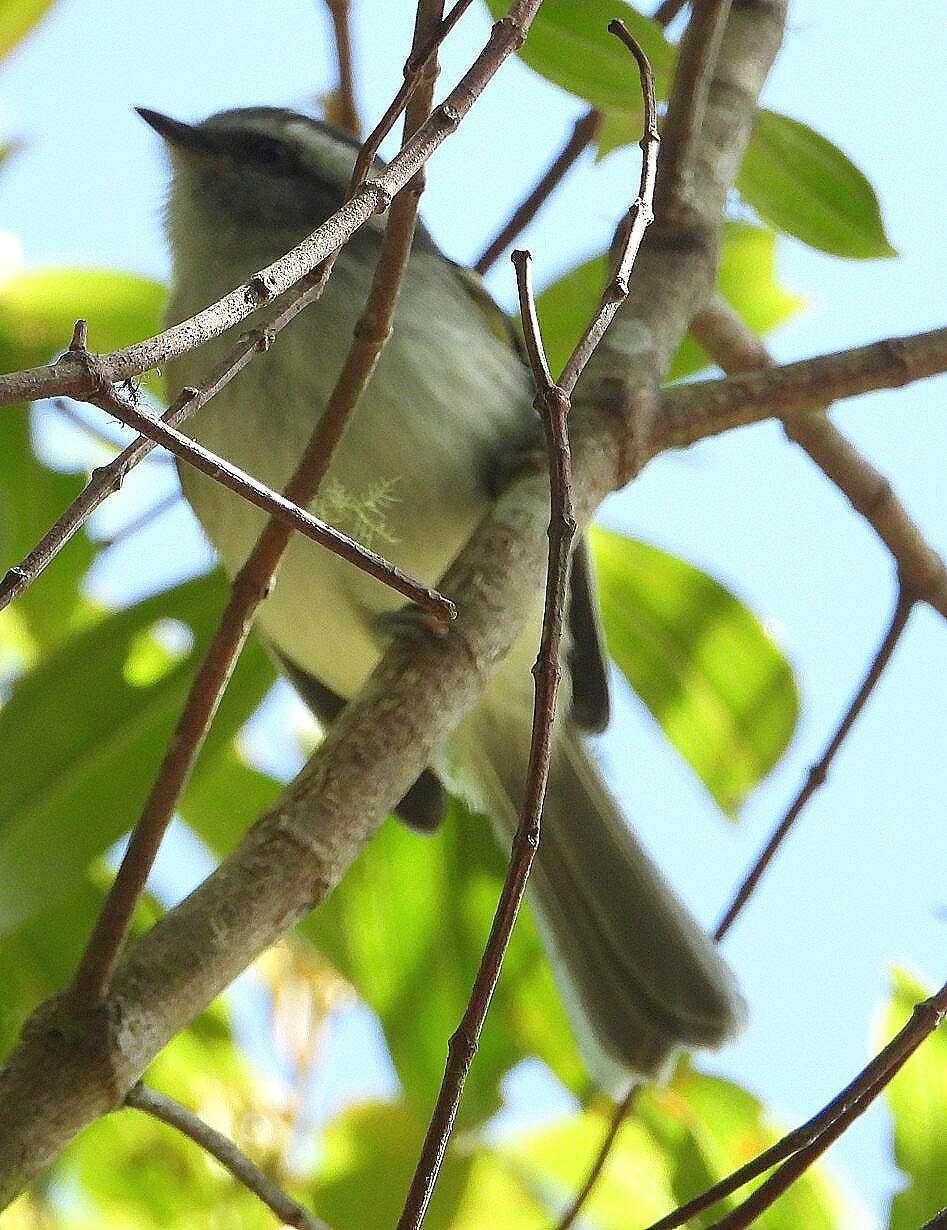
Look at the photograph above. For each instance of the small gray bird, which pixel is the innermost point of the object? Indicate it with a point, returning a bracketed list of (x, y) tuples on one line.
[(449, 403)]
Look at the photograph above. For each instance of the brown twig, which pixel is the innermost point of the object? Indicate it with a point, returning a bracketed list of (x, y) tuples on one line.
[(414, 70), (820, 770), (107, 479), (226, 1152), (616, 1119), (665, 13), (553, 404), (74, 378), (737, 349), (844, 1107), (278, 506), (583, 134), (687, 105), (346, 108), (256, 577)]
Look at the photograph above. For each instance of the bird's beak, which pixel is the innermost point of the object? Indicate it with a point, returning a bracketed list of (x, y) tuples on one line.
[(180, 136)]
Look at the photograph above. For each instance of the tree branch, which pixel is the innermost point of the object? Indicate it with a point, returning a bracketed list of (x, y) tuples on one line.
[(226, 1152), (887, 364), (71, 1066), (345, 108)]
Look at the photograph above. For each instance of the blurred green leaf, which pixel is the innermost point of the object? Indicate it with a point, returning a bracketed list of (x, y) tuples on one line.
[(407, 927), (918, 1100), (569, 45), (746, 278), (79, 743), (17, 18), (702, 662), (39, 307), (804, 185), (372, 1150), (226, 798)]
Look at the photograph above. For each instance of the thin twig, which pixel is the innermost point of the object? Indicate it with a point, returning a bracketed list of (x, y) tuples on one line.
[(346, 109), (552, 402), (414, 70), (583, 134), (665, 13), (74, 378), (829, 1124), (819, 771), (255, 579), (67, 411), (107, 479), (286, 510), (226, 1152), (617, 1118), (687, 105)]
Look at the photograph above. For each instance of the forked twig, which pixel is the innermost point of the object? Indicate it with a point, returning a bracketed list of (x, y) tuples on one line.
[(552, 402)]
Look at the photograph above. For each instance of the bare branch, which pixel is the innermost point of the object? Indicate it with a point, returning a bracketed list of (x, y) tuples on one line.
[(276, 505), (854, 1099), (583, 134), (226, 1152), (553, 404), (595, 1171), (887, 364), (258, 574), (820, 771)]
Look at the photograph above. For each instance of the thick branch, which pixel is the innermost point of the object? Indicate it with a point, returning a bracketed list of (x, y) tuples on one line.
[(69, 1066)]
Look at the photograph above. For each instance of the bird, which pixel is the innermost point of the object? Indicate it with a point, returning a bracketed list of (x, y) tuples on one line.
[(448, 407)]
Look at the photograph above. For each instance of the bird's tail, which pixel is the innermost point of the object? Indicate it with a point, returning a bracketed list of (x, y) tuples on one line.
[(640, 978)]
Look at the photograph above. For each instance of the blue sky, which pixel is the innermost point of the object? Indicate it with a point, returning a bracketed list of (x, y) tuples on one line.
[(859, 885)]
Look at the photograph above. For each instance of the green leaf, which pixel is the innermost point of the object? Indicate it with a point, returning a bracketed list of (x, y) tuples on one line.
[(705, 666), (569, 45), (80, 742), (226, 798), (918, 1100), (746, 278), (804, 185), (437, 895), (17, 18)]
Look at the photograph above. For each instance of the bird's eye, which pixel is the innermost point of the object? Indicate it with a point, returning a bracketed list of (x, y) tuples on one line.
[(272, 154)]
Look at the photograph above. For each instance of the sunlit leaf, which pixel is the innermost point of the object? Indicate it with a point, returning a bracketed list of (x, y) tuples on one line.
[(746, 279), (711, 675), (437, 896), (17, 18), (918, 1100), (804, 185), (79, 743), (569, 45)]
